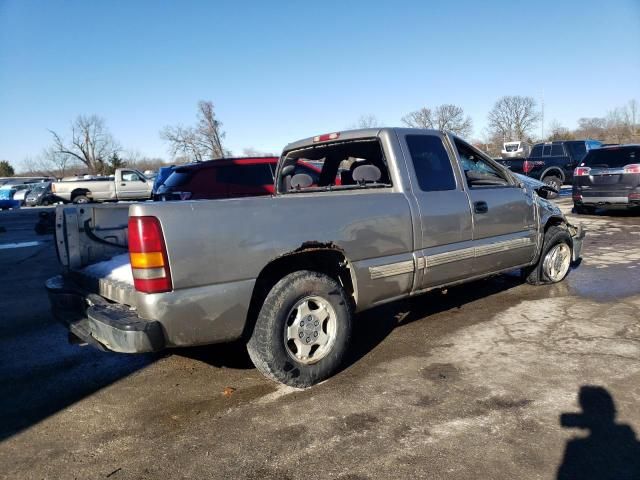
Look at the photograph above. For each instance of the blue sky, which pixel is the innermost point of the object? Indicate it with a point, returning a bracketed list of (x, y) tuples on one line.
[(280, 71)]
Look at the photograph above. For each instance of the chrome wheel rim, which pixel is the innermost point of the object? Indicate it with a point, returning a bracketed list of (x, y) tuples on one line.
[(310, 330), (556, 262)]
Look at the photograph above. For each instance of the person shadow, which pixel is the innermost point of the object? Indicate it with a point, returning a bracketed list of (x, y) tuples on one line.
[(610, 451)]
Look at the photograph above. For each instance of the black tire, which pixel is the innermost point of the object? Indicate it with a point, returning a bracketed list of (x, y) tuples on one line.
[(584, 209), (81, 199), (554, 182), (267, 345), (535, 274)]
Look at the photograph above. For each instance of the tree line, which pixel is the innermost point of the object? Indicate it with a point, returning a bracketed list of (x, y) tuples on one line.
[(89, 147)]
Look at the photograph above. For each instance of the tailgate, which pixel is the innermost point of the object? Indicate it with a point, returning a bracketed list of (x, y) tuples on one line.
[(87, 234)]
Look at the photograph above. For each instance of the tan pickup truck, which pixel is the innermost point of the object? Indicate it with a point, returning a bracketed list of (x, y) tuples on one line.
[(126, 184)]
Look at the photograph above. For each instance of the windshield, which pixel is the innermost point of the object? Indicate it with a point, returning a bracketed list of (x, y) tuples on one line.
[(612, 157)]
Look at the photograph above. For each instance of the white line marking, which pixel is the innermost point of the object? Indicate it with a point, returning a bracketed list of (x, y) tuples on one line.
[(4, 246)]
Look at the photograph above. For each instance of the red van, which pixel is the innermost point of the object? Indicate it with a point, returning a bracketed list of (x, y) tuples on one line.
[(225, 178)]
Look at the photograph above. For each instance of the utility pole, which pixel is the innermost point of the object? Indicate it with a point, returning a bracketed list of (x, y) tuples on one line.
[(542, 117)]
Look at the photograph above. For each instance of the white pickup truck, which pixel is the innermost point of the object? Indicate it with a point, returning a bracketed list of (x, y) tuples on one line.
[(126, 184)]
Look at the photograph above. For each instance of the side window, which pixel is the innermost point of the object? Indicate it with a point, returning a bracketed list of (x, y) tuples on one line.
[(246, 175), (478, 171), (546, 151), (557, 150), (537, 151), (431, 163), (131, 176)]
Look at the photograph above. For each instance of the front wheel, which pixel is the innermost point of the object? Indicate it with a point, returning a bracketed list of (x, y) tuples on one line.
[(303, 329), (555, 259)]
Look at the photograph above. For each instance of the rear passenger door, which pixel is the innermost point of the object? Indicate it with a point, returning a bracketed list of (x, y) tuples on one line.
[(445, 249), (504, 222)]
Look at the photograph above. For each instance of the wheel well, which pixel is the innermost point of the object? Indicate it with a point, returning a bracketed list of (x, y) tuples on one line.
[(554, 222), (79, 191), (329, 261)]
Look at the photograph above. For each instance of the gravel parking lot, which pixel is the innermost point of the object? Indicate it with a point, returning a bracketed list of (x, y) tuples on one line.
[(470, 383)]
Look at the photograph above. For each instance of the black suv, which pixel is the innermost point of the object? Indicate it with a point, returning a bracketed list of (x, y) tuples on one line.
[(553, 162), (608, 177)]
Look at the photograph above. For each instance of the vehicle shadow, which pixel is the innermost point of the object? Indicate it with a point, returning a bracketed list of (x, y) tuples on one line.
[(41, 373), (370, 327), (609, 451), (373, 326), (227, 355)]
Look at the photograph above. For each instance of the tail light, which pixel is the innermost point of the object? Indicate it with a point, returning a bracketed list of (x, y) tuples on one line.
[(53, 188), (326, 136), (634, 196), (581, 171), (527, 166), (577, 197), (148, 255), (633, 168)]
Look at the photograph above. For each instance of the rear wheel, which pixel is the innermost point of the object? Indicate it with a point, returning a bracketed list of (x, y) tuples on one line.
[(584, 209), (555, 259), (81, 199), (303, 330), (555, 183)]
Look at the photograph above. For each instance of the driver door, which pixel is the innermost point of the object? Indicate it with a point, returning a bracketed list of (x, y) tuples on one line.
[(132, 185), (504, 223)]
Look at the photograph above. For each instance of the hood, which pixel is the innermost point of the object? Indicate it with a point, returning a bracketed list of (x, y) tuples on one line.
[(540, 188)]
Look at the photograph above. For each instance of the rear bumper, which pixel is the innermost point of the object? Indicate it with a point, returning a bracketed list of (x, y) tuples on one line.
[(105, 325), (603, 200), (577, 236)]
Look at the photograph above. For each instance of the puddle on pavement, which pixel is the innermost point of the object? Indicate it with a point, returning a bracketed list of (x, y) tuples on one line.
[(604, 284)]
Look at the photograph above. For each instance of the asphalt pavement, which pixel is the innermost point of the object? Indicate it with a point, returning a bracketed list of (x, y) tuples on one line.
[(493, 379)]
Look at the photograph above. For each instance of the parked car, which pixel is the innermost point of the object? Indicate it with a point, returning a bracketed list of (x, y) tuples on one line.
[(126, 184), (226, 178), (515, 150), (414, 211), (608, 177), (22, 190), (161, 177), (553, 162), (40, 194), (6, 198)]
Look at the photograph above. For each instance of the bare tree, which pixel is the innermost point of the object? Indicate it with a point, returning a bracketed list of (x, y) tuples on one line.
[(90, 144), (513, 117), (366, 121), (252, 152), (443, 117), (451, 118), (422, 118), (200, 142), (559, 132), (591, 127)]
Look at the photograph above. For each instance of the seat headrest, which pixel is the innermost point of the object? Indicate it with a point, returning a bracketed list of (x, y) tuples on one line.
[(301, 180), (367, 173)]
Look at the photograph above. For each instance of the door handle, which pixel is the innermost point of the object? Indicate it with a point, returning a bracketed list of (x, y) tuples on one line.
[(123, 184), (480, 207)]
